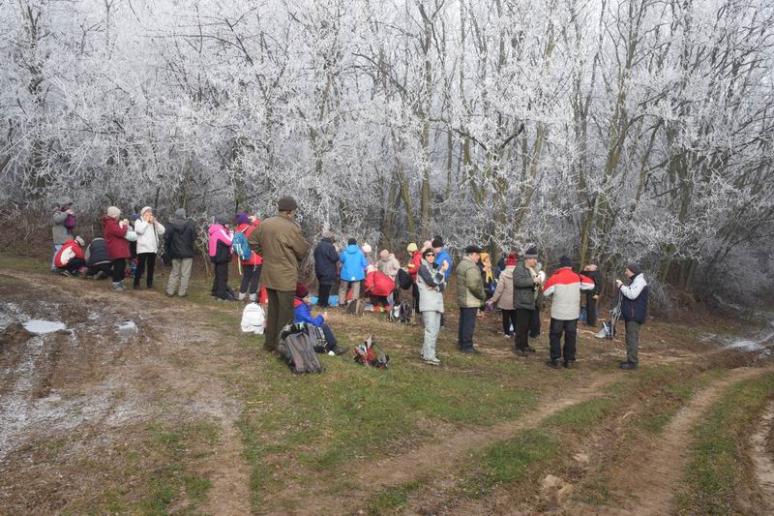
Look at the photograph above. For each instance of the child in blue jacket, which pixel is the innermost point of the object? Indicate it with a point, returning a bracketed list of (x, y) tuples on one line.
[(302, 313)]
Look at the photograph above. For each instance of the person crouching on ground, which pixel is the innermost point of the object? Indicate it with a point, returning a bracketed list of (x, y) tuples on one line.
[(378, 286), (634, 311), (220, 255), (70, 259), (116, 233), (149, 232), (503, 296), (98, 259), (431, 281), (470, 297), (302, 313), (565, 286)]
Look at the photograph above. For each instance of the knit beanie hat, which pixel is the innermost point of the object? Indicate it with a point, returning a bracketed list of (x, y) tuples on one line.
[(633, 267), (412, 247), (301, 290), (565, 261), (180, 213), (287, 203), (511, 260), (113, 212), (147, 208), (242, 218), (531, 252), (80, 240)]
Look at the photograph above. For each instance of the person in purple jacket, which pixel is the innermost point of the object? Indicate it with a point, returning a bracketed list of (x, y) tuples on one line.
[(302, 313)]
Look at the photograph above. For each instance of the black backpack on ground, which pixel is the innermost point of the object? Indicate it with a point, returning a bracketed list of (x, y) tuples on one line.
[(404, 279), (296, 348)]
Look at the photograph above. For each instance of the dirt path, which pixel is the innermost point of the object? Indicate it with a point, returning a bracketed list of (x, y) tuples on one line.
[(762, 456), (172, 371), (651, 482)]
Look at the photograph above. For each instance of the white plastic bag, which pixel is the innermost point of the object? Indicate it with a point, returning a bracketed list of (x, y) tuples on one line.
[(253, 319)]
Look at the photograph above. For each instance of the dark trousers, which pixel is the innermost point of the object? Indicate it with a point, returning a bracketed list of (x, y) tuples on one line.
[(534, 324), (523, 320), (74, 265), (323, 295), (467, 327), (570, 330), (379, 301), (415, 292), (220, 281), (279, 314), (105, 268), (251, 275), (145, 260), (509, 318), (330, 338), (119, 270), (591, 310)]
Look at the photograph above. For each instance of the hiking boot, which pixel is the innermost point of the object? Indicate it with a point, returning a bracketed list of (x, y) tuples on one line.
[(470, 351), (242, 296), (338, 350), (553, 364), (66, 274), (628, 365), (530, 349), (521, 352), (100, 275), (569, 364), (118, 286), (253, 298), (431, 361)]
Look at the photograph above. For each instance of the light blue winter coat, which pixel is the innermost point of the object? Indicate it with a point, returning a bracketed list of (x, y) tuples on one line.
[(353, 264)]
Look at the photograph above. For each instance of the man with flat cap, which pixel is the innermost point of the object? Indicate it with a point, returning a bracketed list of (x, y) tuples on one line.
[(280, 242), (470, 296)]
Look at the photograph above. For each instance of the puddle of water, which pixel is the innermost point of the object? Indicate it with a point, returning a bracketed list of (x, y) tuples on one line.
[(41, 327), (760, 344)]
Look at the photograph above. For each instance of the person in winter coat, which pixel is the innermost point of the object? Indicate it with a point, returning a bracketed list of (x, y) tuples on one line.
[(442, 256), (378, 286), (280, 241), (302, 313), (390, 266), (326, 261), (503, 297), (116, 232), (251, 268), (470, 296), (414, 265), (526, 284), (63, 223), (487, 275), (353, 267), (565, 286), (414, 257), (70, 259), (179, 242), (592, 296), (634, 311), (149, 232), (431, 281), (98, 259), (219, 247), (367, 250)]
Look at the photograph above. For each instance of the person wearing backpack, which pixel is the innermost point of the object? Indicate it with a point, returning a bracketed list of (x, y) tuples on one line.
[(219, 246), (280, 241), (149, 232), (63, 224), (302, 313), (326, 261), (179, 242), (431, 281), (251, 267), (634, 311), (353, 268), (565, 286)]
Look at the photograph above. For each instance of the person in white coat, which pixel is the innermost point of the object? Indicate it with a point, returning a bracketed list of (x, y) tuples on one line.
[(149, 232), (431, 282)]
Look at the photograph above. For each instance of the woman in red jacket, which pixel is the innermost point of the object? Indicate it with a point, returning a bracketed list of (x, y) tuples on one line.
[(251, 268), (115, 232)]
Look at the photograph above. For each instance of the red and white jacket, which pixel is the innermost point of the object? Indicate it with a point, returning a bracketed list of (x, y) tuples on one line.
[(565, 286), (68, 251)]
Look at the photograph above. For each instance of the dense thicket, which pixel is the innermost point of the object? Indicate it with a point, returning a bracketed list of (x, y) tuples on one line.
[(613, 130)]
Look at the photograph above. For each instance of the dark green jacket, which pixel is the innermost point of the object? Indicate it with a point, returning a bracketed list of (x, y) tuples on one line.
[(523, 288)]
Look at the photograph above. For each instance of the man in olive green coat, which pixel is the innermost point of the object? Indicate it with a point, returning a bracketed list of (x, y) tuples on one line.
[(280, 242), (470, 296)]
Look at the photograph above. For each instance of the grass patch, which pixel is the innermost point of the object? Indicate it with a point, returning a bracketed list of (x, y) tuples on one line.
[(391, 499), (716, 465)]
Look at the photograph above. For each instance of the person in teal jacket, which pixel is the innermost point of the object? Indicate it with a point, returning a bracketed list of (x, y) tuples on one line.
[(353, 266)]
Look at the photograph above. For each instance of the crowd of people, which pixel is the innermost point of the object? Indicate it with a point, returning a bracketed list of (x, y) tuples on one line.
[(269, 253)]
